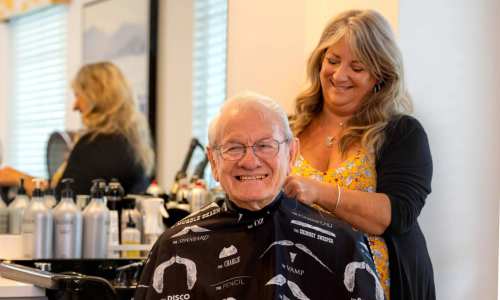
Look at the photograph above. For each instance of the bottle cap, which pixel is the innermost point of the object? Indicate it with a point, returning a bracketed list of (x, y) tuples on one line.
[(37, 192), (130, 223), (98, 188), (21, 190), (67, 192), (115, 189)]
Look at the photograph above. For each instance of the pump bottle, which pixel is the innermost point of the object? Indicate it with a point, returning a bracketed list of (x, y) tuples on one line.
[(96, 223), (68, 225), (37, 228), (16, 209), (114, 200), (4, 217)]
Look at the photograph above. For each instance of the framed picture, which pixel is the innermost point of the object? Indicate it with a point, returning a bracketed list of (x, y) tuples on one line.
[(125, 33)]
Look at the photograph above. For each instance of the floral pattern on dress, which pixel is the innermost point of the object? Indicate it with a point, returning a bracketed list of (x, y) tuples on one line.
[(358, 173)]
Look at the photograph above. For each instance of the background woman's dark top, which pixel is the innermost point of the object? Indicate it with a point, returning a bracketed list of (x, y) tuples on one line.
[(404, 173), (105, 156)]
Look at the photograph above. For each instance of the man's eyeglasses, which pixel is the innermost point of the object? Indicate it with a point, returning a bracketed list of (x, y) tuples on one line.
[(264, 149)]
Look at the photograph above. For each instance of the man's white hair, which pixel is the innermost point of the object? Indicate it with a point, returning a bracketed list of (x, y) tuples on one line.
[(244, 99)]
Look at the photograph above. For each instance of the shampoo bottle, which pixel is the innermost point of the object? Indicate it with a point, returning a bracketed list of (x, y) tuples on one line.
[(96, 223), (16, 209), (37, 228), (68, 225), (4, 217)]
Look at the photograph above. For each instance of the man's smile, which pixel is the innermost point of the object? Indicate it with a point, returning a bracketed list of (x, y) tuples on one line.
[(251, 177)]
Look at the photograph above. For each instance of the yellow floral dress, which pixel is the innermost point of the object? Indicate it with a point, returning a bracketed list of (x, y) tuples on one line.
[(357, 172)]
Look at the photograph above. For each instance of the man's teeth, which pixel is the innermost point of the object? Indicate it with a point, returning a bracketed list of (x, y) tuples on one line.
[(257, 177)]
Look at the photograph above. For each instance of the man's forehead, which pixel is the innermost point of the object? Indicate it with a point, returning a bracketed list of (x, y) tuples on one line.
[(244, 122)]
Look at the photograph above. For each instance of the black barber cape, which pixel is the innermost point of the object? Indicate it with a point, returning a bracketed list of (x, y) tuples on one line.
[(284, 251)]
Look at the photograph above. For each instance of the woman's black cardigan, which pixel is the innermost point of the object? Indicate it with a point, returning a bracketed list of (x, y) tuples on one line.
[(404, 173)]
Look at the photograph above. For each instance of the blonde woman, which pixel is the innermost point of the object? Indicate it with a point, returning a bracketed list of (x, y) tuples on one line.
[(116, 141), (361, 158)]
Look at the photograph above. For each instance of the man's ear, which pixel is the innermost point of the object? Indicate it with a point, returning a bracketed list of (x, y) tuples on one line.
[(294, 150), (213, 163)]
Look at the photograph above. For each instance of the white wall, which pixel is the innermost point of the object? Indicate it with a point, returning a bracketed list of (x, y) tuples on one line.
[(269, 42), (452, 55), (74, 55), (174, 93)]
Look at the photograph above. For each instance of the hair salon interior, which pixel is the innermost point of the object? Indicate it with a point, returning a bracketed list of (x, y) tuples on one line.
[(183, 58)]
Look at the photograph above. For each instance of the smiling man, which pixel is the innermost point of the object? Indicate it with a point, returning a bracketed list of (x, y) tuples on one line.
[(257, 244)]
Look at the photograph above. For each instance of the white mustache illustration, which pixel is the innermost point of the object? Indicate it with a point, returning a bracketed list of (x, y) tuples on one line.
[(350, 274), (294, 288), (300, 247), (160, 270), (194, 228), (229, 251)]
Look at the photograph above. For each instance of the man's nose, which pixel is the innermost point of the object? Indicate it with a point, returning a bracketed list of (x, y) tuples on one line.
[(249, 159)]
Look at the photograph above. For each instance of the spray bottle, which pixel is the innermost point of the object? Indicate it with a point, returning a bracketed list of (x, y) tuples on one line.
[(38, 226), (153, 212), (16, 209), (96, 223), (68, 224)]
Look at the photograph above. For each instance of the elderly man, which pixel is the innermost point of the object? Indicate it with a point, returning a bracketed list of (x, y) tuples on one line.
[(257, 244)]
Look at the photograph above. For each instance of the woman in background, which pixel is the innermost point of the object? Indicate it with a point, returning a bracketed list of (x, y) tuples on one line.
[(115, 142), (361, 158)]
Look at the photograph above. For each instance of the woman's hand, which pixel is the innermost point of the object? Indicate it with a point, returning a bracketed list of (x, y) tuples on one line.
[(306, 190), (11, 177)]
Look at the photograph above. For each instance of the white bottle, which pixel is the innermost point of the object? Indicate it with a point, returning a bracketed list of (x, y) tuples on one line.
[(198, 195), (96, 223), (4, 217), (129, 209), (131, 236), (68, 225), (16, 209), (38, 227)]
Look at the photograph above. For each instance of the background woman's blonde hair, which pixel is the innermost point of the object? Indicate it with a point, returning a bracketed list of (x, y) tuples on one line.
[(113, 109), (372, 42)]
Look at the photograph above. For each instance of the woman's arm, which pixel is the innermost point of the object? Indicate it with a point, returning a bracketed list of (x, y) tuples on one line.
[(11, 177), (369, 212), (404, 171)]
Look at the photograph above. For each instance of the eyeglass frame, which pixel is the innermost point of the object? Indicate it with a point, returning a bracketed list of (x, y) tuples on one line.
[(218, 148)]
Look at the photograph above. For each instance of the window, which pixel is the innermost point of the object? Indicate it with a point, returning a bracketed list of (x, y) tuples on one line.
[(37, 106), (209, 65)]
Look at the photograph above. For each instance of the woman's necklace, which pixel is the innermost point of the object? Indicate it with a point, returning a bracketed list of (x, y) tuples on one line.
[(330, 140)]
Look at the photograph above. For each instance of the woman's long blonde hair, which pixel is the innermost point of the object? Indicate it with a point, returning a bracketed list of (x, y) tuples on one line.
[(113, 109), (371, 39)]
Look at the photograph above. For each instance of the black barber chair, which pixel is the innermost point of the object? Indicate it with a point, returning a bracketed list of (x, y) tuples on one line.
[(107, 279)]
